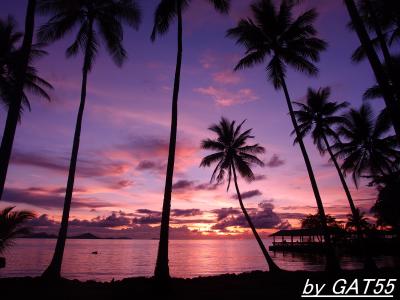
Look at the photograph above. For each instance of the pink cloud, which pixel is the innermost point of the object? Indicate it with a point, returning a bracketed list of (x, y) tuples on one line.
[(223, 97), (226, 77), (207, 60)]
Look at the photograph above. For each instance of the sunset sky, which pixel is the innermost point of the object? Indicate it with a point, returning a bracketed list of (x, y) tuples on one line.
[(124, 143)]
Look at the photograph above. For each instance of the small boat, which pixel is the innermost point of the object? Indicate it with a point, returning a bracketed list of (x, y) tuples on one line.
[(95, 252)]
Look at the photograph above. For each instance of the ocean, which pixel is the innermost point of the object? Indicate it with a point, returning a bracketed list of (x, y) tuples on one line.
[(117, 259)]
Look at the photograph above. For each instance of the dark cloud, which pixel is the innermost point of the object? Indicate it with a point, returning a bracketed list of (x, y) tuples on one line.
[(248, 194), (222, 213), (186, 212), (48, 199), (183, 184), (206, 187), (275, 161), (111, 221), (125, 214), (41, 221), (150, 219), (259, 177), (292, 215), (146, 146), (86, 166), (147, 217), (149, 165), (149, 148), (119, 184), (263, 218), (105, 227), (192, 185), (147, 211)]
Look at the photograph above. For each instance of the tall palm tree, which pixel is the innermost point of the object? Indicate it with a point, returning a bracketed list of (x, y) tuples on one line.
[(375, 91), (17, 95), (233, 153), (9, 37), (9, 60), (383, 80), (320, 118), (11, 226), (98, 21), (167, 11), (374, 16), (367, 149), (286, 42)]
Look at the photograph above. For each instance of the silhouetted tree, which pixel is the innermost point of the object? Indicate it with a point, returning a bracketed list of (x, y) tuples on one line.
[(373, 16), (313, 221), (368, 149), (387, 206), (357, 221), (382, 78), (375, 91), (98, 21), (319, 117), (286, 42), (17, 94), (233, 153), (11, 226), (167, 11), (9, 60)]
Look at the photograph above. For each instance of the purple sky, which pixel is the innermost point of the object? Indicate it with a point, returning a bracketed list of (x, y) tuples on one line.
[(124, 141)]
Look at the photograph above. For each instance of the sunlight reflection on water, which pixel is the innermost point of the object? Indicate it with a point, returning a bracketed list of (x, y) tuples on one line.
[(188, 258)]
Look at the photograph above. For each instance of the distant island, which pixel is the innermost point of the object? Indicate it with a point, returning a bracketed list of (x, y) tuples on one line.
[(44, 235)]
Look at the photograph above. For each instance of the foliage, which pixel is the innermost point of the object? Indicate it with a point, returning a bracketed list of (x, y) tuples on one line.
[(231, 151), (11, 226)]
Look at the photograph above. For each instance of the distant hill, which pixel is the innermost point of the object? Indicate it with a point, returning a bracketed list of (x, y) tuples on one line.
[(85, 236), (44, 235)]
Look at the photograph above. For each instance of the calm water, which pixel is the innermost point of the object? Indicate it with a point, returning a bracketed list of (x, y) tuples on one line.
[(128, 258)]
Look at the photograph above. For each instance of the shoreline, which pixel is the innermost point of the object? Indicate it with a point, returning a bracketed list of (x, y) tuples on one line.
[(256, 284)]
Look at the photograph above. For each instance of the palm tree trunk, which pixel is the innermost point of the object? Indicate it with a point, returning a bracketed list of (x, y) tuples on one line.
[(53, 271), (271, 264), (369, 262), (385, 49), (15, 106), (383, 81), (332, 261), (342, 180), (161, 271)]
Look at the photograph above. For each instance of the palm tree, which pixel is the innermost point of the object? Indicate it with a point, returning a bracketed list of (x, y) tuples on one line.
[(375, 91), (387, 206), (319, 117), (358, 221), (167, 11), (286, 42), (374, 16), (232, 153), (17, 95), (368, 149), (98, 20), (9, 59), (11, 226), (9, 37), (383, 80)]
